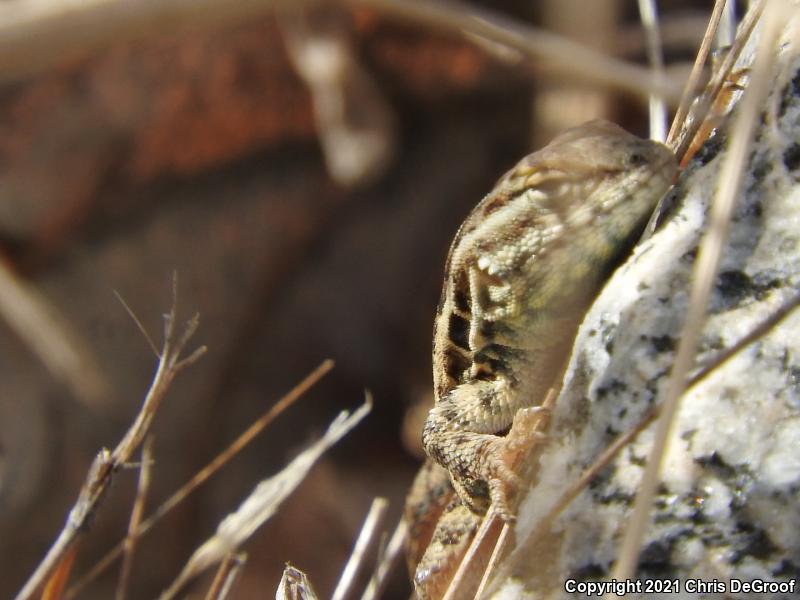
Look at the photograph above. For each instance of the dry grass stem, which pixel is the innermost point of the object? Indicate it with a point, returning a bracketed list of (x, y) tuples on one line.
[(373, 520), (557, 52), (693, 83), (58, 579), (85, 25), (387, 557), (698, 110), (295, 585), (261, 504), (107, 462), (710, 252), (727, 26), (772, 321), (137, 512), (655, 57), (206, 472), (139, 325), (225, 577), (50, 338)]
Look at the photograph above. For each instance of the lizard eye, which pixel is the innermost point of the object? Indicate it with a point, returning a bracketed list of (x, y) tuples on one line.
[(637, 160)]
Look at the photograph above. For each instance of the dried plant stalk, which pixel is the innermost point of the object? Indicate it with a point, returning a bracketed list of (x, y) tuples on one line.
[(106, 463)]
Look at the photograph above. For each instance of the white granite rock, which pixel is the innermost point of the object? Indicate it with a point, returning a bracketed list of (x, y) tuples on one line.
[(728, 505)]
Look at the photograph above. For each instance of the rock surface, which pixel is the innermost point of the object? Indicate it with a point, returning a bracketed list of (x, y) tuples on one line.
[(727, 507)]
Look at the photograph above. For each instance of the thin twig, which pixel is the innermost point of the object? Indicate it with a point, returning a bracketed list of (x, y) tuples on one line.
[(386, 560), (136, 517), (140, 326), (709, 255), (226, 575), (106, 463), (376, 513), (207, 471)]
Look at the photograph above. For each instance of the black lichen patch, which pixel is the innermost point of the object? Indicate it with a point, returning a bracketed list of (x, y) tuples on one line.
[(734, 287), (755, 543), (663, 343), (716, 464), (613, 387), (761, 169), (791, 158), (615, 497), (787, 569), (709, 150), (737, 477), (764, 281), (790, 93), (656, 558), (590, 572), (794, 379), (755, 208)]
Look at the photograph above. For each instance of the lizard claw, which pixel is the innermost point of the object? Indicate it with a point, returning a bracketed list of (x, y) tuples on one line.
[(503, 482)]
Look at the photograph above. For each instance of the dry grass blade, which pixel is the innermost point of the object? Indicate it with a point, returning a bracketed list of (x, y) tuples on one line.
[(54, 587), (375, 515), (262, 503), (50, 338), (136, 516), (558, 52), (226, 576), (694, 119), (295, 585), (708, 261), (693, 82), (207, 471), (386, 558), (107, 462), (655, 57)]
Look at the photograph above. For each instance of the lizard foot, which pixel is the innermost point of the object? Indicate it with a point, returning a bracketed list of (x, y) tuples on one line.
[(503, 482)]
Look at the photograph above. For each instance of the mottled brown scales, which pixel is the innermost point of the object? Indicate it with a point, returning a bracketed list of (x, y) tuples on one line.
[(521, 273)]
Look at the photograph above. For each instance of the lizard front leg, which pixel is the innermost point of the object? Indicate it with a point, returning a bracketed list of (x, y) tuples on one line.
[(461, 434)]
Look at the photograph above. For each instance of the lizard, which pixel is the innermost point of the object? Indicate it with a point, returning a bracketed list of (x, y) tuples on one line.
[(521, 273)]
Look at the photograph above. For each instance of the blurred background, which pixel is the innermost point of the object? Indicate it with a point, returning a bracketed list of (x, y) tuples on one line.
[(303, 173)]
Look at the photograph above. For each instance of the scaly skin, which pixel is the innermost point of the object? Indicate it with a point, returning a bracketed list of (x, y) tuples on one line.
[(522, 271)]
